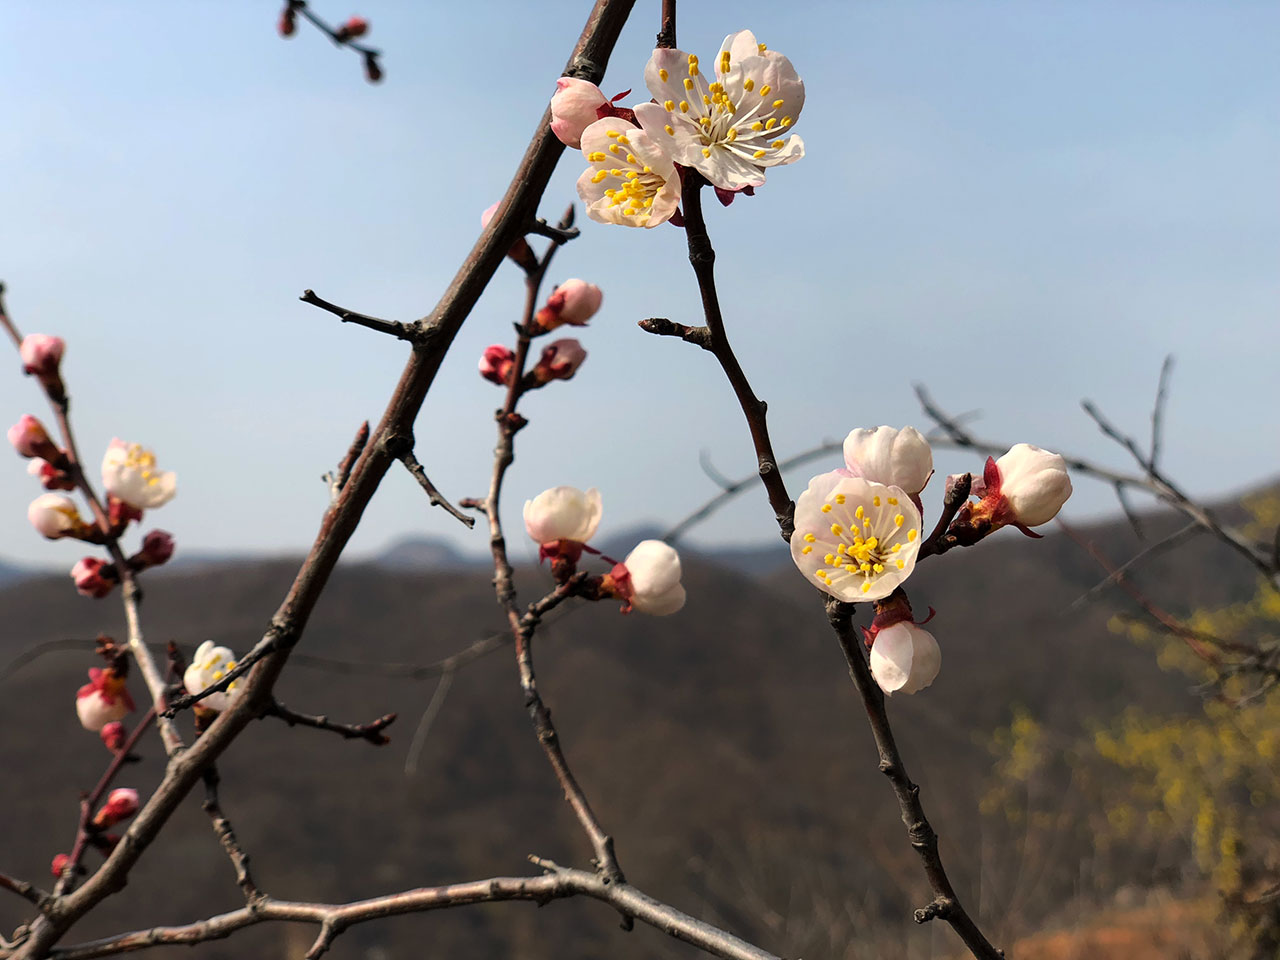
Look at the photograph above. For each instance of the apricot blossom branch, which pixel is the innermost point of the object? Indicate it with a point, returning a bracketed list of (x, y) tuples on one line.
[(588, 59), (341, 36)]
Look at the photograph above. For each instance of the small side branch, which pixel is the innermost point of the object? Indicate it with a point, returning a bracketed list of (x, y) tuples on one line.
[(342, 36), (1157, 412), (371, 731), (401, 331), (227, 836), (437, 498), (28, 891), (662, 327), (945, 905), (337, 479)]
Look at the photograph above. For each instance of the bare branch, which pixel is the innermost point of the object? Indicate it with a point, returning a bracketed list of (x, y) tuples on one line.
[(401, 331), (945, 905), (28, 891), (434, 706), (371, 731), (1157, 412), (227, 836), (437, 498), (558, 884), (662, 327)]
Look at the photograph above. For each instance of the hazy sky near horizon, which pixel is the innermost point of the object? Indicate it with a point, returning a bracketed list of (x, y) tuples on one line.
[(1017, 204)]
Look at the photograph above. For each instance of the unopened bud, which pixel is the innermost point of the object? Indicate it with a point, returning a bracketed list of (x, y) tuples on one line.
[(288, 22), (42, 357), (372, 69), (114, 735), (574, 107), (574, 302), (353, 28), (31, 439), (121, 514), (51, 478), (157, 548), (122, 803), (55, 516), (59, 864), (94, 578), (496, 363), (560, 361)]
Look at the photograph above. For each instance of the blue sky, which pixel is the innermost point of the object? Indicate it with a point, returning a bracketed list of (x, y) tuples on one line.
[(1017, 204)]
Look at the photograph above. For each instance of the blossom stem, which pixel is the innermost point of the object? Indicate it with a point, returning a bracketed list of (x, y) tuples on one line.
[(945, 905), (91, 800), (523, 626), (667, 34), (130, 592), (702, 258), (938, 541)]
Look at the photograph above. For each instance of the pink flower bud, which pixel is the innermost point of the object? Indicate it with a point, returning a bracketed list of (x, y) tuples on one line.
[(31, 439), (51, 478), (905, 658), (288, 22), (353, 28), (574, 107), (94, 578), (157, 548), (55, 516), (103, 699), (574, 302), (496, 363), (41, 354), (648, 580), (113, 735), (560, 360), (489, 211), (59, 864), (1026, 487), (122, 803)]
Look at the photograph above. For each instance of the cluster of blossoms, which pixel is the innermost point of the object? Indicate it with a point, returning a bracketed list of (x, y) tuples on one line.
[(858, 532), (561, 521), (729, 129), (129, 476)]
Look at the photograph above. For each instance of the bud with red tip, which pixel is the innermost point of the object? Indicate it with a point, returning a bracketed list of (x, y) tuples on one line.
[(574, 302), (288, 22), (51, 478), (648, 580), (59, 864), (31, 439), (122, 803), (496, 363), (42, 357), (1024, 488), (354, 27), (114, 735), (94, 578), (560, 361), (157, 548)]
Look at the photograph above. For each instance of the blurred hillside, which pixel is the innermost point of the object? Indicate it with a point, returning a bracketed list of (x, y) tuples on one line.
[(724, 748)]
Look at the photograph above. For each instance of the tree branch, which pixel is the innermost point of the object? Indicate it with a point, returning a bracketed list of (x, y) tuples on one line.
[(945, 905), (437, 498), (401, 331), (371, 731), (227, 836)]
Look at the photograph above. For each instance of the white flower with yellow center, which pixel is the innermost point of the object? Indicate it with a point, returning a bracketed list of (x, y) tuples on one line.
[(855, 538), (631, 180), (210, 664), (732, 128), (129, 473)]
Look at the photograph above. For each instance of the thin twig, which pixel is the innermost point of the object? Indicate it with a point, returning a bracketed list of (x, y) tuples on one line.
[(434, 706), (1182, 533), (337, 479), (28, 891), (340, 38), (437, 498), (1157, 412), (227, 836), (371, 731), (702, 257), (401, 331), (945, 904)]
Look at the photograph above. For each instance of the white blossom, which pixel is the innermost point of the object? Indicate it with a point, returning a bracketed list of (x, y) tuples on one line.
[(654, 575), (905, 658), (129, 474), (55, 516), (856, 538), (732, 128), (631, 180), (897, 458), (1033, 483), (210, 664), (563, 513)]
